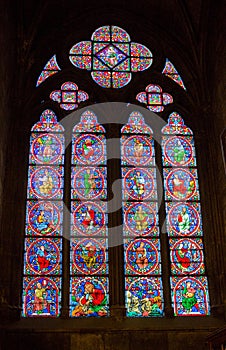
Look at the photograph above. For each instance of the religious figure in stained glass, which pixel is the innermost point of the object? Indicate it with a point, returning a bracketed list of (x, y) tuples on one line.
[(89, 297), (89, 183), (89, 255), (184, 219), (140, 219), (41, 296), (43, 218), (154, 98), (43, 242), (142, 256), (189, 294), (42, 256), (111, 57), (69, 96), (187, 256), (138, 183), (181, 184), (144, 297)]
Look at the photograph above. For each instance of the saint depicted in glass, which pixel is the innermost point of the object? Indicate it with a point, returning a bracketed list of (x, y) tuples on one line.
[(189, 286), (144, 296), (89, 253), (43, 242), (111, 57)]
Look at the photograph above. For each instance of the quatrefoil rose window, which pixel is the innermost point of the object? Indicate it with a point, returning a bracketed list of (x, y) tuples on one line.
[(111, 57)]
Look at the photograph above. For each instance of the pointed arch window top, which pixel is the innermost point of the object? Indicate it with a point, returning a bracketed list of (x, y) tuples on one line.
[(88, 123), (50, 69), (176, 126), (111, 57), (69, 96), (136, 124), (154, 98), (48, 122)]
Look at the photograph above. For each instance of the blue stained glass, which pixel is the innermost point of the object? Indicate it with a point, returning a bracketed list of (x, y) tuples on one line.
[(144, 297), (178, 151), (89, 149), (89, 256), (89, 297), (183, 219), (43, 230), (142, 256), (190, 293), (41, 296), (45, 182), (139, 183), (42, 256), (190, 296), (46, 148), (181, 184), (140, 219), (89, 218), (186, 256), (44, 218), (89, 183), (137, 150)]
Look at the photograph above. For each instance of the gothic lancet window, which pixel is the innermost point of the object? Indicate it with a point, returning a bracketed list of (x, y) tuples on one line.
[(43, 231), (89, 253), (144, 295), (188, 277)]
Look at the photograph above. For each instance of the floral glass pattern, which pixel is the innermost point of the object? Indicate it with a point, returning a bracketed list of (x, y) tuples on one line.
[(89, 253), (50, 69), (144, 297), (111, 57), (189, 287), (43, 230), (69, 96), (170, 71), (154, 98)]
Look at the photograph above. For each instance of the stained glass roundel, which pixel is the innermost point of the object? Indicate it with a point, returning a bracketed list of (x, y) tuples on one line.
[(89, 256), (142, 256), (89, 149), (43, 256), (47, 148), (140, 218), (43, 218), (89, 183), (89, 218), (186, 256), (137, 150), (111, 57), (45, 183), (181, 184), (184, 219), (138, 183)]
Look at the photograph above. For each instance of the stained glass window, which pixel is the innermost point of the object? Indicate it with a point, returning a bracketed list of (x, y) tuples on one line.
[(111, 57), (69, 96), (43, 231), (184, 222), (89, 253), (170, 71), (144, 295), (154, 98), (50, 69)]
